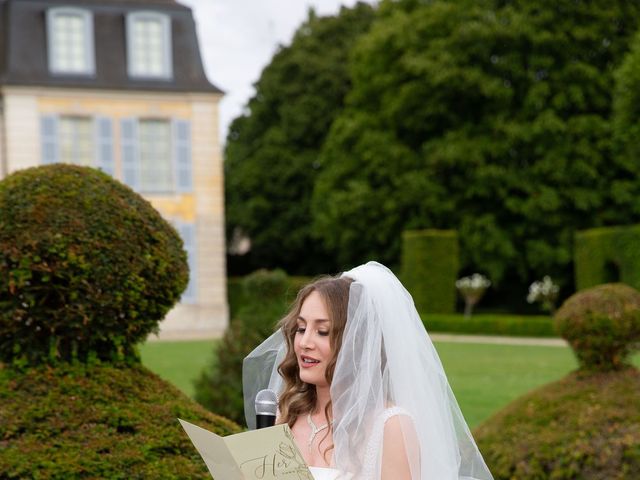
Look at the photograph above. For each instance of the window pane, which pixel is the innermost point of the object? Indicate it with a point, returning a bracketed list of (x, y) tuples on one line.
[(76, 140), (156, 169), (70, 43), (148, 47)]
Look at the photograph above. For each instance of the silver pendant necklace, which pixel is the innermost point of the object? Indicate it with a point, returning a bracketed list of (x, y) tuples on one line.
[(315, 430)]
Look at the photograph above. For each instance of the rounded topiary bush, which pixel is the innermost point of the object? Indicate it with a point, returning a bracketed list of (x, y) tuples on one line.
[(585, 426), (87, 266), (602, 325), (98, 421)]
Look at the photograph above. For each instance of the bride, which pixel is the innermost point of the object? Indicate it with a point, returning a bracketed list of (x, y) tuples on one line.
[(361, 385)]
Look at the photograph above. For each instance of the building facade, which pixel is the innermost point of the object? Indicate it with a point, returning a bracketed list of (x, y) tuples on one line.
[(120, 86)]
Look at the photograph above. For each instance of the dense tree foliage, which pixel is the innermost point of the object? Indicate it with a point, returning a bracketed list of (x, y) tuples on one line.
[(271, 154), (492, 118), (627, 126)]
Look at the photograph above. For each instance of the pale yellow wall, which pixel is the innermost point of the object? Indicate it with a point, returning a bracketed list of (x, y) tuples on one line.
[(22, 127), (205, 207), (3, 165)]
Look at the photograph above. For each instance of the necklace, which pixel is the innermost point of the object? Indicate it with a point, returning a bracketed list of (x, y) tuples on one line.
[(315, 430)]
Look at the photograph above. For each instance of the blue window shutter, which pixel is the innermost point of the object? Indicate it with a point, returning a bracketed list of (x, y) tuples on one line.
[(188, 233), (129, 142), (49, 138), (182, 155), (104, 145)]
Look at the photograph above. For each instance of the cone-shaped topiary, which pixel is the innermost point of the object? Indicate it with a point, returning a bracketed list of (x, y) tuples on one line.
[(602, 325), (87, 266)]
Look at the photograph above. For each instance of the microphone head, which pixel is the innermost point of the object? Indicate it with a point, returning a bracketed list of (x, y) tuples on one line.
[(266, 402)]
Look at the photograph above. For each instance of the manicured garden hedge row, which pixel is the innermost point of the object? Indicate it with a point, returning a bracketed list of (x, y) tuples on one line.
[(257, 302), (98, 421), (486, 324), (482, 324), (429, 268), (238, 297), (598, 251)]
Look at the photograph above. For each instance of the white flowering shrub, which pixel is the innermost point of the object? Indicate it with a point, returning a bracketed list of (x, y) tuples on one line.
[(544, 292), (472, 289)]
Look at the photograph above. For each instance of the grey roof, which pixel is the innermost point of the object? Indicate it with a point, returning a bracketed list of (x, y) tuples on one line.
[(23, 48)]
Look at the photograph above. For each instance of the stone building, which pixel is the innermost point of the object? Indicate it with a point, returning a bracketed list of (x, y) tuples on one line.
[(119, 85)]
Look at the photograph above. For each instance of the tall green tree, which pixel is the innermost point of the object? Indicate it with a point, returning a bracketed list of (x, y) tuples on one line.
[(271, 156), (626, 126), (489, 117)]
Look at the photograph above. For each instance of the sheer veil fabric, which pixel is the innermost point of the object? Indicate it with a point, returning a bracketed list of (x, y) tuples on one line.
[(387, 361)]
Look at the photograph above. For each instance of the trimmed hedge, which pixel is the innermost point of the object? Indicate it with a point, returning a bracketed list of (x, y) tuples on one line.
[(602, 325), (87, 267), (479, 324), (486, 324), (429, 268), (581, 427), (99, 421), (264, 301), (237, 295), (598, 251)]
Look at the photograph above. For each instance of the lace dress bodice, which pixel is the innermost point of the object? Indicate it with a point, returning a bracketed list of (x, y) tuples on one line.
[(372, 453)]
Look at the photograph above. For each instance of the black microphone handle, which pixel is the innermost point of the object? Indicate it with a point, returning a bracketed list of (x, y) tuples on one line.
[(264, 421)]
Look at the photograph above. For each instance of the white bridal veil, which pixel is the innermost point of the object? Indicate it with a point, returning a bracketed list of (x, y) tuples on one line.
[(387, 365)]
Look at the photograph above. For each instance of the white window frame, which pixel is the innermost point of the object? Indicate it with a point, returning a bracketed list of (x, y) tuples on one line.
[(190, 294), (155, 189), (75, 143), (90, 60), (182, 168), (165, 22)]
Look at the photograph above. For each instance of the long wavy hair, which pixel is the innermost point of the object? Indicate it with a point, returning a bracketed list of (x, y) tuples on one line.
[(299, 398)]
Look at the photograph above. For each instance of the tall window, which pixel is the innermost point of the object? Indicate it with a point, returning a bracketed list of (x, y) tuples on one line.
[(149, 45), (156, 165), (70, 41), (76, 136), (156, 155), (82, 140)]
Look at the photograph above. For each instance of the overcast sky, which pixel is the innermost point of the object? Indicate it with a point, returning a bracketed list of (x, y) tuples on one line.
[(239, 37)]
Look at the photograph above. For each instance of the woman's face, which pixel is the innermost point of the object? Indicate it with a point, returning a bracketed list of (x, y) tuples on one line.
[(311, 343)]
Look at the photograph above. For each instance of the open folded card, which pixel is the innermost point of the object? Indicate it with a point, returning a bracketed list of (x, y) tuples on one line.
[(265, 454)]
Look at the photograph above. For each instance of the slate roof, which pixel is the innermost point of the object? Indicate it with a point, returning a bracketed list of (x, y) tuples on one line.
[(23, 48)]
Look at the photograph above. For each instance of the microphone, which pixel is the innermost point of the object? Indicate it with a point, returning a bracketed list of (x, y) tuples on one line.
[(266, 407)]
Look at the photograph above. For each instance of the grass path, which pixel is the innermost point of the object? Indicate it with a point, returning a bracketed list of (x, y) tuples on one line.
[(484, 376)]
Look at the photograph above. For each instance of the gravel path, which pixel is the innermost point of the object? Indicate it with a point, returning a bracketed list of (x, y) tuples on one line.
[(438, 337), (499, 340)]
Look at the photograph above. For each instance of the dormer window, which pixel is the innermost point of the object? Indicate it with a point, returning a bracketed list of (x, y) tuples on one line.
[(70, 41), (149, 45)]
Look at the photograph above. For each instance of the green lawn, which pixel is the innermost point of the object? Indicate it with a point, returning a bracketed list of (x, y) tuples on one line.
[(483, 377), (178, 362), (486, 377)]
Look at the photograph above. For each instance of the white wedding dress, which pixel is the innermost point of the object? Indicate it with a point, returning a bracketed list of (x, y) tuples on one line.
[(374, 448), (322, 473), (386, 356)]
